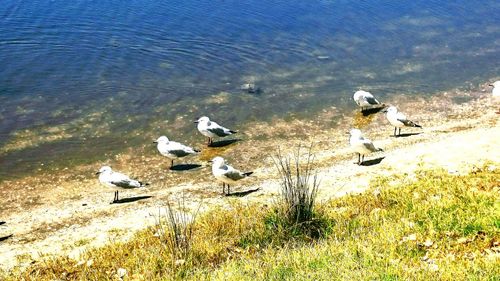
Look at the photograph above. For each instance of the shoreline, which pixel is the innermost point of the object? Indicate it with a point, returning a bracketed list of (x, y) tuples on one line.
[(57, 221)]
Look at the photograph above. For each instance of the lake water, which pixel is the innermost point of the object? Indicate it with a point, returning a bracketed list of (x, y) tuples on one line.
[(82, 80)]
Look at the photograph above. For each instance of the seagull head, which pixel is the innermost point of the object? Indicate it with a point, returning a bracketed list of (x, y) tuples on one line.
[(104, 169), (162, 139), (203, 119), (495, 84), (218, 161), (355, 133)]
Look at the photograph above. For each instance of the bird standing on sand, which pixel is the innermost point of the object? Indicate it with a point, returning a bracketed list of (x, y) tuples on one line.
[(211, 129), (173, 150), (399, 120), (110, 178), (361, 145), (226, 174), (496, 89), (365, 99)]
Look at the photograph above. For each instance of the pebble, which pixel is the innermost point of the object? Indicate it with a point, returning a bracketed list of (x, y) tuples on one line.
[(121, 272)]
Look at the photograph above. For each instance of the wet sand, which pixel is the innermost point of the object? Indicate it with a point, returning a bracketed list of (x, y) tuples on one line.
[(66, 211)]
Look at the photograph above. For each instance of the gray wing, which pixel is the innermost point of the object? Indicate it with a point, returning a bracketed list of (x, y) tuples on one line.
[(234, 175), (371, 100), (369, 145), (179, 152), (409, 123), (126, 183), (220, 132)]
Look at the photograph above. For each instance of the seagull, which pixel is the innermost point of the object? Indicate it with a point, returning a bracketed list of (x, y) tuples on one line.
[(226, 174), (399, 120), (496, 89), (365, 99), (211, 129), (110, 178), (361, 145), (172, 149)]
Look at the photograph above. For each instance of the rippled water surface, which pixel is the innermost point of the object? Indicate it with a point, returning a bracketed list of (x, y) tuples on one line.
[(81, 80)]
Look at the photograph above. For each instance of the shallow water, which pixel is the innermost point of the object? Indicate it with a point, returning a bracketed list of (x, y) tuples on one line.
[(83, 80)]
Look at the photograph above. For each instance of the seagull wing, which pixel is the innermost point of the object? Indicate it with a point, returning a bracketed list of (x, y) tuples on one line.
[(408, 123), (179, 149), (218, 130), (127, 183), (233, 174), (371, 99), (369, 145), (121, 180)]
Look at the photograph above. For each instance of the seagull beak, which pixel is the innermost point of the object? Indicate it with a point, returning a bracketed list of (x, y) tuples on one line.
[(97, 173), (155, 142), (196, 122), (210, 161), (491, 85), (347, 133)]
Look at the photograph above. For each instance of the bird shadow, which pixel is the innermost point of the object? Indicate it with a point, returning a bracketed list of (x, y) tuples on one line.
[(372, 161), (3, 238), (372, 110), (2, 222), (184, 167), (130, 199), (407, 135), (242, 193), (223, 143)]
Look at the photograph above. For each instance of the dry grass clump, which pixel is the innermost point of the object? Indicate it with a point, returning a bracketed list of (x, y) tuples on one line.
[(296, 211), (175, 231)]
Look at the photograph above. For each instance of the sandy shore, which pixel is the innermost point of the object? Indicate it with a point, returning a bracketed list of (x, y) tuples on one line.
[(64, 213)]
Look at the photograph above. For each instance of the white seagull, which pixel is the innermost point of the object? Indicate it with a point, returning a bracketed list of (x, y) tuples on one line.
[(361, 145), (172, 149), (211, 129), (365, 99), (496, 89), (226, 174), (399, 120), (110, 178)]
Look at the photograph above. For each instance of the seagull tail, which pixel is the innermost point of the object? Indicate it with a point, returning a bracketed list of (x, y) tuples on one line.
[(248, 173), (196, 150), (380, 149), (143, 184), (233, 132), (417, 125)]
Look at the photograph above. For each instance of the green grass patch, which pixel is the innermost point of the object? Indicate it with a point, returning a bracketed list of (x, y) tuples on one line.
[(439, 227)]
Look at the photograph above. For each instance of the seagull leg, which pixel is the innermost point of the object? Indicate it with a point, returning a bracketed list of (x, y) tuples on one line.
[(395, 129), (224, 188), (228, 190), (359, 158), (171, 163), (362, 159), (117, 199), (399, 133)]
